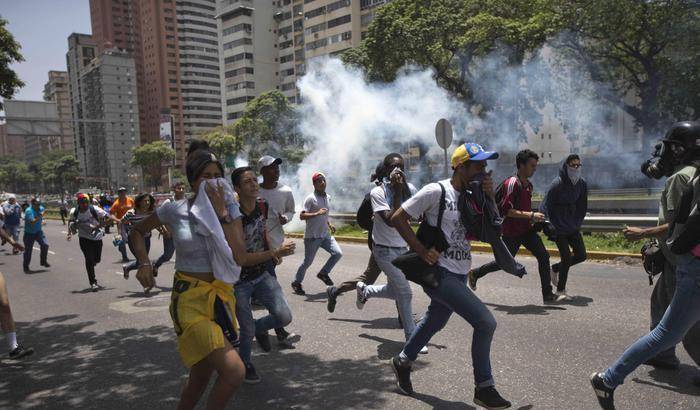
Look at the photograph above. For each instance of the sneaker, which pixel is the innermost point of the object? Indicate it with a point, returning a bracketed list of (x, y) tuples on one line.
[(94, 287), (325, 279), (563, 294), (20, 352), (126, 271), (552, 299), (424, 350), (263, 341), (603, 392), (471, 279), (361, 298), (665, 363), (298, 290), (251, 376), (403, 375), (555, 277), (285, 339), (489, 398), (332, 298), (26, 269), (45, 264)]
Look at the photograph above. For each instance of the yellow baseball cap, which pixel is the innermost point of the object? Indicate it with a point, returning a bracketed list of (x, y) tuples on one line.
[(471, 152)]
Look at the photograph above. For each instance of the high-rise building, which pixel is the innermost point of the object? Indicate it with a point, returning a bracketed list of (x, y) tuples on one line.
[(57, 90), (81, 51), (200, 80), (110, 103), (11, 145), (248, 52)]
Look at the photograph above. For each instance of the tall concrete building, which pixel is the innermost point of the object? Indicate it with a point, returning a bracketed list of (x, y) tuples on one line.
[(81, 51), (266, 46), (109, 101), (200, 79), (57, 90), (11, 145), (248, 52)]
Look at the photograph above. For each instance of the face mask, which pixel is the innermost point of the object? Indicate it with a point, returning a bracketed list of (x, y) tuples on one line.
[(573, 173)]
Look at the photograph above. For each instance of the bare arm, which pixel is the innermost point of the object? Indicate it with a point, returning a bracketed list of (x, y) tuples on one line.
[(635, 234), (236, 240), (400, 222)]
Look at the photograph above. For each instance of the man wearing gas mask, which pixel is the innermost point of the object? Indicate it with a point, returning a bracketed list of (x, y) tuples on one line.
[(677, 158)]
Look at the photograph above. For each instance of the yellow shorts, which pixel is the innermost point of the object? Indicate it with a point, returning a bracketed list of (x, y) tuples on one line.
[(203, 314)]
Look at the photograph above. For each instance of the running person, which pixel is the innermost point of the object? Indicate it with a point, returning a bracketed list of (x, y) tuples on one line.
[(168, 244), (202, 306), (452, 294), (7, 323), (143, 207), (33, 221), (119, 207), (12, 212), (87, 221)]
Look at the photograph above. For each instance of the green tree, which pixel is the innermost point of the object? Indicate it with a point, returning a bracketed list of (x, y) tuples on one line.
[(15, 174), (60, 169), (648, 52), (222, 142), (449, 35), (9, 53), (269, 126), (150, 157)]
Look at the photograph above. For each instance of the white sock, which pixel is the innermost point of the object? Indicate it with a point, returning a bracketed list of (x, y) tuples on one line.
[(12, 340)]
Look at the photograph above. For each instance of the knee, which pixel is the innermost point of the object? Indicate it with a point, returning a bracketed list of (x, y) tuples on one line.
[(338, 254), (487, 325), (284, 316)]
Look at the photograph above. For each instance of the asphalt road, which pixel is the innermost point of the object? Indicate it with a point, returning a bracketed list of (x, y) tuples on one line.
[(115, 349)]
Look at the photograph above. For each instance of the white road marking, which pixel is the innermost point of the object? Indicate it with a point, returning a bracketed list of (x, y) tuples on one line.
[(50, 252), (64, 232)]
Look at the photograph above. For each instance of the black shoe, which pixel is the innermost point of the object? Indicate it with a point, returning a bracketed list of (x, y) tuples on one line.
[(285, 339), (603, 392), (670, 363), (298, 290), (263, 341), (251, 376), (552, 299), (26, 269), (489, 398), (325, 279), (332, 298), (20, 352), (471, 276), (155, 272), (403, 375), (45, 264), (94, 287), (126, 260)]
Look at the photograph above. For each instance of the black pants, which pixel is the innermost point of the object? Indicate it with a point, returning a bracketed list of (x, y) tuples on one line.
[(660, 299), (92, 250), (575, 241), (64, 215), (533, 243)]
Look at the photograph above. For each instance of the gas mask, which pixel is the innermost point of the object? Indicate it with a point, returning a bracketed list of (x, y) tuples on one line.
[(663, 159)]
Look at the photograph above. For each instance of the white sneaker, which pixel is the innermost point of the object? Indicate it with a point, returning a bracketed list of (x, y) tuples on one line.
[(555, 278), (361, 298), (424, 350), (563, 295)]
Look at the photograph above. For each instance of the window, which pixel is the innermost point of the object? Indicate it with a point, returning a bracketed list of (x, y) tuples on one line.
[(238, 57), (237, 43), (338, 21), (237, 13), (238, 27), (287, 58), (315, 13), (337, 5), (239, 71)]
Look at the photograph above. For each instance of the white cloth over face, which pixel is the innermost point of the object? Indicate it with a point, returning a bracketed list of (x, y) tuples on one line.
[(208, 225)]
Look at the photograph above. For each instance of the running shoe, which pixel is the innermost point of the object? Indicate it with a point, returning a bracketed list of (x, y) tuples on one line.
[(403, 375), (489, 398), (45, 264), (603, 392), (424, 350), (20, 352), (563, 294), (263, 341), (251, 376), (94, 287), (325, 279), (285, 339), (298, 290), (551, 299), (125, 269), (472, 280), (361, 298), (332, 298)]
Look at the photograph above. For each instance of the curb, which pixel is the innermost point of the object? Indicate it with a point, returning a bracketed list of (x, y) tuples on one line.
[(484, 248)]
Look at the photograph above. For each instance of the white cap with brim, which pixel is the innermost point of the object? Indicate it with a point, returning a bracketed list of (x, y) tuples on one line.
[(267, 160)]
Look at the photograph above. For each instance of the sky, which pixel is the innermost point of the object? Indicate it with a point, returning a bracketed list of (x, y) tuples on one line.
[(42, 28)]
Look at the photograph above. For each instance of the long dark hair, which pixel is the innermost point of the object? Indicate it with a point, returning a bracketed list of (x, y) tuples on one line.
[(140, 198), (198, 157)]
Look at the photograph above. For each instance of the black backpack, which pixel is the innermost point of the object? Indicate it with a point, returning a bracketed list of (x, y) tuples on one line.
[(365, 214), (74, 217)]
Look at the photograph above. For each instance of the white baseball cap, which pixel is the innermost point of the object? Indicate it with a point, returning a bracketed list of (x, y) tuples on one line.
[(266, 161)]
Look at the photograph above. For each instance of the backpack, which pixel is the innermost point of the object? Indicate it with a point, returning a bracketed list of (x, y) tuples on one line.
[(74, 217), (365, 214), (501, 194)]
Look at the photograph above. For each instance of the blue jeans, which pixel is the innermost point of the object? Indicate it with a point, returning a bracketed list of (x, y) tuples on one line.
[(122, 249), (311, 246), (29, 239), (267, 291), (13, 231), (452, 295), (168, 252), (682, 314), (397, 286)]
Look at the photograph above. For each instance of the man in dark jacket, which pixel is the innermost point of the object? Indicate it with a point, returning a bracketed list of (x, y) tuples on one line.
[(566, 204)]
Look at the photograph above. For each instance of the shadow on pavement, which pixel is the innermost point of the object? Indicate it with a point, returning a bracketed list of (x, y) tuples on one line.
[(89, 290), (35, 272), (379, 323), (580, 301), (438, 403), (524, 310), (679, 381), (387, 348), (315, 297), (77, 368)]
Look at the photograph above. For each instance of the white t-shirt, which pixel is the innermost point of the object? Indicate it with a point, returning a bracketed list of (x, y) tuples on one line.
[(317, 227), (85, 220), (281, 202), (457, 258), (383, 234)]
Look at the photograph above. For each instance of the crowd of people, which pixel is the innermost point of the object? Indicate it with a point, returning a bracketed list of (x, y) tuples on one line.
[(228, 238)]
